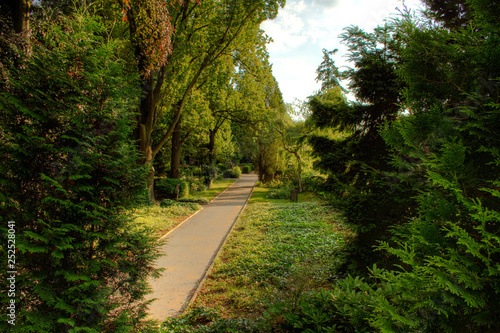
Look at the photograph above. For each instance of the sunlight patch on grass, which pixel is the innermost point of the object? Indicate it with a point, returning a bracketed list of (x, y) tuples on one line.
[(260, 193), (217, 187), (163, 219)]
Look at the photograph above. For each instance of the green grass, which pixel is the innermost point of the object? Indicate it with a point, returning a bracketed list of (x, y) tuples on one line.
[(163, 219), (259, 195), (277, 251), (217, 187)]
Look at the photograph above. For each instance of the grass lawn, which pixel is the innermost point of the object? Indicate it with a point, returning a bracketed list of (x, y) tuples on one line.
[(260, 193), (163, 219), (216, 188), (277, 251)]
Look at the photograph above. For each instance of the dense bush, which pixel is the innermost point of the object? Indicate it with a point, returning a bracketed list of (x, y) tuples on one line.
[(445, 150), (233, 173), (281, 191), (247, 168), (197, 185), (68, 169), (209, 173), (165, 187)]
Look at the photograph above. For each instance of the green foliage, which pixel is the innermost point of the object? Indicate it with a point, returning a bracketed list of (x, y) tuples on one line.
[(447, 279), (280, 192), (159, 219), (233, 172), (68, 170), (195, 319), (199, 200), (360, 180), (276, 253), (165, 187), (247, 168), (211, 172), (444, 158), (167, 203)]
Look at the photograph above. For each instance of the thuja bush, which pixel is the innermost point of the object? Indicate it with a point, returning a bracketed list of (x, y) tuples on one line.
[(67, 170), (165, 187), (233, 173), (448, 276)]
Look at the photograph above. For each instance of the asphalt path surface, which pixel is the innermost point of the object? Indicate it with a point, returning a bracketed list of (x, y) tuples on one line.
[(192, 247)]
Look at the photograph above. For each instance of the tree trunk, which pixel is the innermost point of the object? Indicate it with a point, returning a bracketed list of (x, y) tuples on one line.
[(144, 129), (21, 15), (211, 147), (299, 167), (175, 158), (261, 168)]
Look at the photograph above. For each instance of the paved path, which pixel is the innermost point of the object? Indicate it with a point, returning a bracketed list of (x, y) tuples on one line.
[(192, 247)]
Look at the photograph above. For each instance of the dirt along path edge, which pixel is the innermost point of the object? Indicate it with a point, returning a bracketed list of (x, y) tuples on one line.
[(192, 248)]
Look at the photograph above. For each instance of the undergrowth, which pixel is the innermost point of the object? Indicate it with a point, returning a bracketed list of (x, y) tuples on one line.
[(276, 255)]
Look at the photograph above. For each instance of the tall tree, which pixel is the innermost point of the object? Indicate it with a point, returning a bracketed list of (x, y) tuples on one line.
[(357, 163), (222, 30), (294, 134), (238, 94), (16, 15), (150, 31), (204, 31)]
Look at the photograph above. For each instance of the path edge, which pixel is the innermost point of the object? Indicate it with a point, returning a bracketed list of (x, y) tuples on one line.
[(190, 216), (214, 258)]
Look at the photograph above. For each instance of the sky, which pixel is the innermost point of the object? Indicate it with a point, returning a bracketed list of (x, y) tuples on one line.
[(303, 28)]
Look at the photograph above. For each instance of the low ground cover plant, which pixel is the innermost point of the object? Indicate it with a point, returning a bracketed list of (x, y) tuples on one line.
[(277, 253)]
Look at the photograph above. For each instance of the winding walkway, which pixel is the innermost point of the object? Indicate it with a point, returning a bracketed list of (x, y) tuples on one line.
[(192, 247)]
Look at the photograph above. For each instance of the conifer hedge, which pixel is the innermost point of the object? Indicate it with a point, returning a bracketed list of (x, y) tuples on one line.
[(67, 171)]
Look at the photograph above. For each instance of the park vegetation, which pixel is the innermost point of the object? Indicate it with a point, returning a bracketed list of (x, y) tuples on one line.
[(413, 166), (117, 115)]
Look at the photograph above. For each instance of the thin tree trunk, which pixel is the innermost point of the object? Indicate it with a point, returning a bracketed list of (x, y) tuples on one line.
[(175, 157), (299, 164), (211, 147)]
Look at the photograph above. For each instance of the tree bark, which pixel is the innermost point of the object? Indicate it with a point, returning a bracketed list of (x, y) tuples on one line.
[(211, 147), (175, 157), (21, 15), (144, 129), (299, 171)]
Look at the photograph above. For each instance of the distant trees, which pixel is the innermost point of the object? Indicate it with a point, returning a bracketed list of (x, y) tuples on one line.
[(204, 32)]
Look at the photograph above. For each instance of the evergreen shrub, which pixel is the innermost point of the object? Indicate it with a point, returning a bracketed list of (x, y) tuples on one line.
[(281, 192), (67, 172), (233, 173), (165, 187), (247, 168), (222, 167)]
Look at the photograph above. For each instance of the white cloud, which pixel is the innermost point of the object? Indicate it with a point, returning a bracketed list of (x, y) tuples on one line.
[(326, 3), (304, 27)]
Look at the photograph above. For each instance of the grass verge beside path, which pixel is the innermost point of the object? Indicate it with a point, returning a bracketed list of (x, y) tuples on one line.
[(277, 252), (217, 187), (163, 219)]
